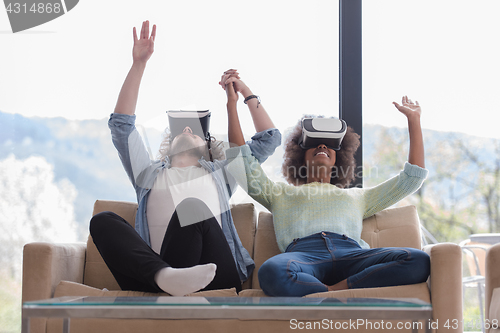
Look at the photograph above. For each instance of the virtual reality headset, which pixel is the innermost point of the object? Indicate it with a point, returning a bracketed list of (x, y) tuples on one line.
[(327, 131), (198, 121)]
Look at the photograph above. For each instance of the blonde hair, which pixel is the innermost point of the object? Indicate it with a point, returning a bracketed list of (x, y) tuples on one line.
[(216, 151)]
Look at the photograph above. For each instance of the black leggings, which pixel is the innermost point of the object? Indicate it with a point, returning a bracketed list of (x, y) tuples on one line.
[(134, 264)]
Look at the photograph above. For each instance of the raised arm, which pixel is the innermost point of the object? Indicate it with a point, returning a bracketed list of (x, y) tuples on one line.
[(412, 111), (142, 51), (261, 119), (267, 138), (234, 132)]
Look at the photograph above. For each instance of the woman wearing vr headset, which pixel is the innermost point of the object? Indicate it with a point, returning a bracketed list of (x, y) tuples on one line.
[(318, 220), (184, 238)]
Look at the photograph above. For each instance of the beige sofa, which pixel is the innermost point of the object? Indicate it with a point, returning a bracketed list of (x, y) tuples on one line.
[(54, 270), (492, 292)]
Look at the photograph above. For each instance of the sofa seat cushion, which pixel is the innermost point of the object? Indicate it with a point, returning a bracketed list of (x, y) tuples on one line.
[(252, 293), (419, 290), (67, 288)]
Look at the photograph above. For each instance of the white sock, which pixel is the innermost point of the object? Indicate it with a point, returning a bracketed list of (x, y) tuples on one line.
[(182, 281)]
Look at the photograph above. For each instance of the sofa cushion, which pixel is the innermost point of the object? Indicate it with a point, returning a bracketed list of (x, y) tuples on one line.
[(252, 293), (96, 272), (245, 221), (266, 245), (67, 288), (99, 276), (419, 290), (393, 227)]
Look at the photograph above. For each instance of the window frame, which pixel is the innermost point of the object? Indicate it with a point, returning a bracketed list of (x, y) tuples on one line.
[(350, 74)]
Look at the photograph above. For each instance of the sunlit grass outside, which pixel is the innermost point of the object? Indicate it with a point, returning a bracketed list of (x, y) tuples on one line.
[(472, 315), (472, 319), (10, 304)]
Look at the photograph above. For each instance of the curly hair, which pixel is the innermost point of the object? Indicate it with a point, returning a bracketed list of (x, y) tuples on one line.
[(216, 148), (343, 172)]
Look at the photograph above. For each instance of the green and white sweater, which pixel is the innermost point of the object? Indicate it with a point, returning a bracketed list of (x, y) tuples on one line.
[(300, 211)]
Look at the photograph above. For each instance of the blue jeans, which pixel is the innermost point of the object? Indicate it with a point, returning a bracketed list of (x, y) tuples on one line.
[(312, 263)]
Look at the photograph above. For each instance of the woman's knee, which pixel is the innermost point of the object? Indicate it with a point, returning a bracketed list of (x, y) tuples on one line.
[(100, 221), (191, 211), (271, 275), (421, 265)]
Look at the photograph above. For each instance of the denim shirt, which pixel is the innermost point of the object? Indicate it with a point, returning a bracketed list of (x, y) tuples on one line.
[(142, 172)]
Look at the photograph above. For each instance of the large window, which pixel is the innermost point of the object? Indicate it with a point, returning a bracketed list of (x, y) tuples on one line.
[(442, 53), (445, 55), (62, 79)]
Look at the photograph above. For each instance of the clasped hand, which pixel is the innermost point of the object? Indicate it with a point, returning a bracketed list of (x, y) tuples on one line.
[(230, 81)]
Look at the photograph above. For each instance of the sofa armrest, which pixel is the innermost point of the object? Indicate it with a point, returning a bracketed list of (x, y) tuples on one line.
[(46, 264), (446, 284), (492, 275)]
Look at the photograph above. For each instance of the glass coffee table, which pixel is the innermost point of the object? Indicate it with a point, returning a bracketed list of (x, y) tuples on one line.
[(357, 313)]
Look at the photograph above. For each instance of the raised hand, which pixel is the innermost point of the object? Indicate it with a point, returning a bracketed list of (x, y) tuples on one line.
[(232, 95), (234, 133), (227, 74), (144, 45), (231, 79), (232, 76), (412, 111), (408, 108), (142, 51)]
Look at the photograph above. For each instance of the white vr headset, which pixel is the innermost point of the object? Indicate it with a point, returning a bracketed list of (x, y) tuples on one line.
[(198, 121), (327, 131)]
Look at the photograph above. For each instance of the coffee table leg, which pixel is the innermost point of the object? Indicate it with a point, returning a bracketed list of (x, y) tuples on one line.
[(25, 326), (416, 325), (428, 326), (66, 325)]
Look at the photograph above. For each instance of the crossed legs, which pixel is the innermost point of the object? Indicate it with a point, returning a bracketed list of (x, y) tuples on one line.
[(314, 263), (193, 256)]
